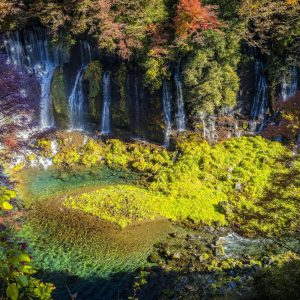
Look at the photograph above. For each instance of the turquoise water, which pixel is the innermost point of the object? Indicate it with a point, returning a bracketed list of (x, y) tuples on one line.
[(93, 258), (36, 185)]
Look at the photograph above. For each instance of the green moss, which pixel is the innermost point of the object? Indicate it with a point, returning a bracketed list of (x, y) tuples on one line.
[(118, 204), (59, 98), (154, 121), (238, 182), (123, 204), (93, 78), (119, 108)]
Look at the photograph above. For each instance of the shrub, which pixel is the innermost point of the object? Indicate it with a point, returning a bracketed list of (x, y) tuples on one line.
[(16, 273)]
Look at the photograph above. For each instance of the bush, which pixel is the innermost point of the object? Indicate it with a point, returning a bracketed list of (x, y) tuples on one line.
[(16, 273)]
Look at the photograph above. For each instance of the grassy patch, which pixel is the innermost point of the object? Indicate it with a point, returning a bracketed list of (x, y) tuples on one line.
[(123, 204)]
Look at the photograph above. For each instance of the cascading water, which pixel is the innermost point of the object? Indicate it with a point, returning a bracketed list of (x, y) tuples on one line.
[(180, 114), (167, 111), (290, 84), (105, 124), (45, 77), (260, 102), (209, 127), (86, 52), (77, 97), (76, 101), (33, 50)]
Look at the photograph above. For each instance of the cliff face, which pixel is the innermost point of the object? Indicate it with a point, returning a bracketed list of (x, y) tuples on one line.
[(82, 89)]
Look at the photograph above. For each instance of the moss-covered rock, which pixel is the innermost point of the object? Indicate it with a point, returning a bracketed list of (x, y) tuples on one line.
[(93, 85), (119, 107), (59, 98), (153, 117)]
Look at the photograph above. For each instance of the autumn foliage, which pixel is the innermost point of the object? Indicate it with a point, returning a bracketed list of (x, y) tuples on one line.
[(288, 125), (192, 17)]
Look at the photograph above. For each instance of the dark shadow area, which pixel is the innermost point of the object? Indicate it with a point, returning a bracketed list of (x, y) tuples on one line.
[(116, 287), (274, 282)]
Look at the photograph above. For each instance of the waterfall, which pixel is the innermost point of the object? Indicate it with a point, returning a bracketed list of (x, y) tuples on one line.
[(105, 124), (76, 101), (85, 52), (33, 50), (290, 84), (77, 98), (180, 114), (209, 127), (45, 76), (260, 102), (167, 111)]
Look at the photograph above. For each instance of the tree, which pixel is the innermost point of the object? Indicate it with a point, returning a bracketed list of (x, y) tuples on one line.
[(210, 73), (11, 12), (192, 17), (272, 25)]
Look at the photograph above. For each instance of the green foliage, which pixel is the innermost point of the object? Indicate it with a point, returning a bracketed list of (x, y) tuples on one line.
[(276, 214), (67, 158), (92, 154), (227, 179), (5, 196), (16, 273), (118, 204), (210, 73), (116, 154), (228, 10), (140, 281), (70, 145), (238, 171), (44, 146), (156, 71), (123, 204)]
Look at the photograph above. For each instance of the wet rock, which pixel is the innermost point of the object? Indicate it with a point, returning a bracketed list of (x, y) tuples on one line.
[(158, 245), (188, 237), (238, 186), (267, 260), (176, 255), (256, 268), (231, 273), (153, 258), (224, 208), (188, 247), (232, 285), (218, 249)]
